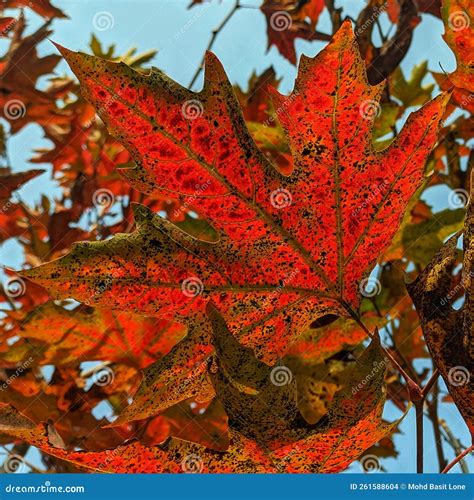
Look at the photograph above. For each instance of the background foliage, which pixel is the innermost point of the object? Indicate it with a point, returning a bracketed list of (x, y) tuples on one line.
[(47, 345)]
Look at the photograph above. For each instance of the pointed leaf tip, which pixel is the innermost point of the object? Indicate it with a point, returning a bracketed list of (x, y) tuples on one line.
[(62, 50)]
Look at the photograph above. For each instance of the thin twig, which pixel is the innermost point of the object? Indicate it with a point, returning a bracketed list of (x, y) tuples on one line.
[(419, 420), (414, 389), (214, 34), (458, 458), (430, 383), (432, 407), (399, 353), (454, 442)]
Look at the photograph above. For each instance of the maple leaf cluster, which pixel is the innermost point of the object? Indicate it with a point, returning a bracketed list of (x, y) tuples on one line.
[(207, 271)]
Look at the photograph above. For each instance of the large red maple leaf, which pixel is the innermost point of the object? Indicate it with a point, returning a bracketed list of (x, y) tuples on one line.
[(290, 248)]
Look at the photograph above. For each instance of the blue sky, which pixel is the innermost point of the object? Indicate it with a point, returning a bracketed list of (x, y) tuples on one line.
[(181, 36)]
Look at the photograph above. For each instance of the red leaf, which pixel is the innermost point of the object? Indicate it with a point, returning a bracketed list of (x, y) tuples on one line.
[(10, 182), (291, 248), (58, 336), (287, 20), (458, 20)]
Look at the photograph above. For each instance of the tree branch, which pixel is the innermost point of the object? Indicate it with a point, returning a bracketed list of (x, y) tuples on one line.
[(432, 407), (214, 34), (389, 56), (419, 435), (458, 458)]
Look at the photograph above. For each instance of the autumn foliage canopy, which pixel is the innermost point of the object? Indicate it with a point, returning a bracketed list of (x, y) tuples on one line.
[(243, 278)]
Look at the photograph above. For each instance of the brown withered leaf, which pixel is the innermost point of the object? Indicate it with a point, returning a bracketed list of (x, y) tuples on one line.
[(449, 333)]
